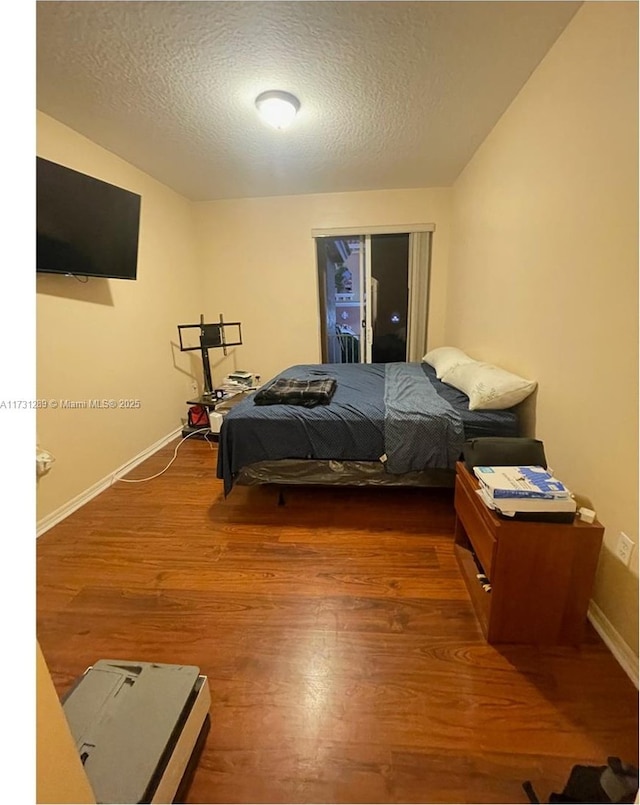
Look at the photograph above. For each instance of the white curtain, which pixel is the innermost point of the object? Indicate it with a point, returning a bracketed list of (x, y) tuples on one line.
[(419, 265)]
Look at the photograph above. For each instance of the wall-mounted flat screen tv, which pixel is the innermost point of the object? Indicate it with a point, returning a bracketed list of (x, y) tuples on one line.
[(84, 226)]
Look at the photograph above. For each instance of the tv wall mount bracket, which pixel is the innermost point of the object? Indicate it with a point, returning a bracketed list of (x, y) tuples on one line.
[(218, 335)]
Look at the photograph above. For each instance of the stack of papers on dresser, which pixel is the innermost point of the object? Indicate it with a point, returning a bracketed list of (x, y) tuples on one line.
[(512, 490)]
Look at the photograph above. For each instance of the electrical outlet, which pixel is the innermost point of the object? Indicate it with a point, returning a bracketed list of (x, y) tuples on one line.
[(194, 388), (624, 548), (44, 460)]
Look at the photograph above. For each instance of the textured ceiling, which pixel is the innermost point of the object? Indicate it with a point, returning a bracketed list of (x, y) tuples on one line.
[(393, 94)]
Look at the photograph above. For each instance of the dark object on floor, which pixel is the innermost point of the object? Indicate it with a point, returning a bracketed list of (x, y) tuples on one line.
[(503, 451), (617, 782)]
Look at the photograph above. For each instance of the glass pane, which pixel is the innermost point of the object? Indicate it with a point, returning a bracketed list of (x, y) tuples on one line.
[(390, 297), (343, 291)]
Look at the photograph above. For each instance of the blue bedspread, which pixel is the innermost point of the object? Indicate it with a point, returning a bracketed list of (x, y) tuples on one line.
[(352, 426), (421, 428)]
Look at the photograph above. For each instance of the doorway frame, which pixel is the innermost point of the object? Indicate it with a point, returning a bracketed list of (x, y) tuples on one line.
[(363, 232)]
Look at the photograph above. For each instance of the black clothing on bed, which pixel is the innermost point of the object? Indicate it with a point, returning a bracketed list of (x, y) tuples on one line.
[(296, 391)]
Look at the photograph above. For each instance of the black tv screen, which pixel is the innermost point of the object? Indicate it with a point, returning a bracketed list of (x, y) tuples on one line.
[(84, 226)]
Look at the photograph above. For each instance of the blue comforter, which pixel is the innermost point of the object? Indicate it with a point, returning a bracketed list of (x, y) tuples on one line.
[(421, 429), (396, 413)]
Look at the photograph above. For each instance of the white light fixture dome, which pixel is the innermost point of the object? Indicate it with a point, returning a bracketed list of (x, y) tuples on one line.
[(277, 108)]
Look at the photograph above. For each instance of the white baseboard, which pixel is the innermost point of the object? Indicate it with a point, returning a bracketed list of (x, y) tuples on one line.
[(614, 641), (84, 497)]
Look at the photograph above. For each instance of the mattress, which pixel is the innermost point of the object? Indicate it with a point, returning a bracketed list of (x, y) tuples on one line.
[(355, 426)]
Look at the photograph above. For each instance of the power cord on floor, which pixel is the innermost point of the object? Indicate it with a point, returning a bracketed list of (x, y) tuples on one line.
[(175, 455)]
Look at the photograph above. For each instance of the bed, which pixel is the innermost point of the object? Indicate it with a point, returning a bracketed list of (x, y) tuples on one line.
[(387, 424)]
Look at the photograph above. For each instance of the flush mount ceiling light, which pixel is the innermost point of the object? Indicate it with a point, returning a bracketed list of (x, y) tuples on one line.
[(277, 108)]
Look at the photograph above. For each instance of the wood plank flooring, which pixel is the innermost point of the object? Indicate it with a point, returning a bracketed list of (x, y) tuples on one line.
[(344, 659)]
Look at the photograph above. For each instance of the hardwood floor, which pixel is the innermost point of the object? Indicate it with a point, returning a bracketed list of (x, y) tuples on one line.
[(344, 659)]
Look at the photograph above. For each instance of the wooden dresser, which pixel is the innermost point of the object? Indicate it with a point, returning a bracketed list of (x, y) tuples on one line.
[(541, 574)]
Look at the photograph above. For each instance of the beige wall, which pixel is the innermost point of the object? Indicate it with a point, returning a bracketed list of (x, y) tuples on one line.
[(59, 773), (113, 339), (259, 265), (544, 232)]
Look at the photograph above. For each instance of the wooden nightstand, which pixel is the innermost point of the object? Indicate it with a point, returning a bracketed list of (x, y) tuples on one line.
[(541, 574)]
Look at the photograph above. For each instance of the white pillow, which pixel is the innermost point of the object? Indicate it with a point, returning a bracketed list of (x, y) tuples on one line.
[(489, 387), (445, 358)]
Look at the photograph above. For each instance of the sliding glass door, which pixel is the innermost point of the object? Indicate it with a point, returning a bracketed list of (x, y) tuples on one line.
[(365, 289)]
